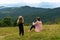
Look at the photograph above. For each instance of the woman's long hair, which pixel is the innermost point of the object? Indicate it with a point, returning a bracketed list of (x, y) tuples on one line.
[(20, 19)]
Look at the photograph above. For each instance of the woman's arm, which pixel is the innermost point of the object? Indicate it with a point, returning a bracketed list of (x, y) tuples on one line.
[(35, 23), (18, 21)]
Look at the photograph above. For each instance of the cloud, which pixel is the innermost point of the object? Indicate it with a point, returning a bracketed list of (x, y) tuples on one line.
[(32, 3), (10, 1), (50, 0), (49, 4), (26, 1)]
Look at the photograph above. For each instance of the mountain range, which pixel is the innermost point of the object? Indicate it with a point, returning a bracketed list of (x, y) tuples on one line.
[(47, 15)]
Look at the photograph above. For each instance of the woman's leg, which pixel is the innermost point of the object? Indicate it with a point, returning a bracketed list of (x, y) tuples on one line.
[(21, 29), (32, 27), (22, 32)]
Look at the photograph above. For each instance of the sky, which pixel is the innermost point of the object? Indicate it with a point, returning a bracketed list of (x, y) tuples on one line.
[(32, 3)]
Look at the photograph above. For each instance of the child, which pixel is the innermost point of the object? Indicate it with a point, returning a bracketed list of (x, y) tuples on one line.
[(38, 25), (20, 22), (33, 26)]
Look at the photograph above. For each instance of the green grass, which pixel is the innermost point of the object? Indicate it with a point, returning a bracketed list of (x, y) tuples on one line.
[(49, 32)]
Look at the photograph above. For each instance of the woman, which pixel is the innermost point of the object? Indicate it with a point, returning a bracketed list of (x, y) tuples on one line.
[(38, 25), (20, 22)]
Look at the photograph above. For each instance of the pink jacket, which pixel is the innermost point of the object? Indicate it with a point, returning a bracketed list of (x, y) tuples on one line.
[(38, 26)]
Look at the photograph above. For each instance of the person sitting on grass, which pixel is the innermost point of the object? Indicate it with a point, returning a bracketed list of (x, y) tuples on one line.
[(37, 25), (33, 26)]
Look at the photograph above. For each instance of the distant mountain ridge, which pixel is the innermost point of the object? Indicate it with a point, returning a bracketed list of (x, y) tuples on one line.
[(30, 13), (2, 7)]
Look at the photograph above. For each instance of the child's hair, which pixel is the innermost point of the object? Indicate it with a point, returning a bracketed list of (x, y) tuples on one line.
[(38, 18), (20, 19)]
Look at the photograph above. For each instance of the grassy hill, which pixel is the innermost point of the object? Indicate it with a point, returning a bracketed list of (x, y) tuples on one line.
[(49, 32)]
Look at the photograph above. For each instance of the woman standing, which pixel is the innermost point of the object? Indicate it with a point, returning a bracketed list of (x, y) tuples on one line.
[(20, 22)]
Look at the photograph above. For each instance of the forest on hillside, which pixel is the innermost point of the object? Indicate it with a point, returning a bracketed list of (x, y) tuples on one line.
[(9, 15)]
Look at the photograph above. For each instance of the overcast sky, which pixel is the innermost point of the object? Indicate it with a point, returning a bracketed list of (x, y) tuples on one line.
[(35, 3)]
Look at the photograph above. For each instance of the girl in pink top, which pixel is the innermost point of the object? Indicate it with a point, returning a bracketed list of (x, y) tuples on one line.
[(38, 25)]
